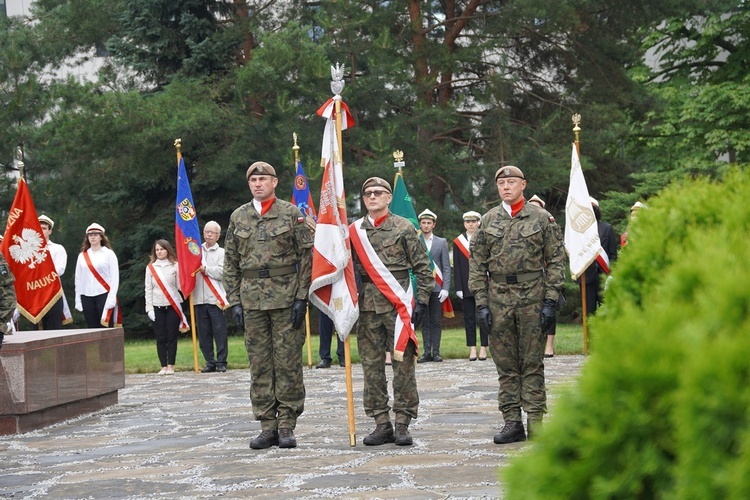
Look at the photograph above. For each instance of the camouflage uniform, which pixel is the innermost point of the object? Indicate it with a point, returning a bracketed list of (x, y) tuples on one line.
[(504, 247), (398, 246), (7, 297), (258, 246)]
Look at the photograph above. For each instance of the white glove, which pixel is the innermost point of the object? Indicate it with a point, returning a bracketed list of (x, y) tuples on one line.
[(151, 315), (110, 304), (442, 295), (460, 294), (79, 306)]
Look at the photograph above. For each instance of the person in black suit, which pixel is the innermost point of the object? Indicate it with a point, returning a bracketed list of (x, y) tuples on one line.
[(593, 274), (461, 278)]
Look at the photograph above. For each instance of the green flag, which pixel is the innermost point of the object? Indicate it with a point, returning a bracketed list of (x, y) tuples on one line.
[(401, 201)]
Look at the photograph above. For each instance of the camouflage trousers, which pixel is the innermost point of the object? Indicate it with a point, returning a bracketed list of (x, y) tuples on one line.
[(516, 343), (274, 350), (374, 336)]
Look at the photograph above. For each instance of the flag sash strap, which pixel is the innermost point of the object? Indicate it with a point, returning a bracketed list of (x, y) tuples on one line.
[(107, 313), (463, 245), (389, 286), (213, 285), (171, 294), (437, 273)]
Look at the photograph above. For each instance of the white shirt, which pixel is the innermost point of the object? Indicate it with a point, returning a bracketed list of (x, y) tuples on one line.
[(428, 242), (170, 275), (105, 262), (213, 259), (59, 257)]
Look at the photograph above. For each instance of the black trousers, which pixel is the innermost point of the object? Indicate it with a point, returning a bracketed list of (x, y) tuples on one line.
[(166, 331), (432, 329), (53, 319), (470, 323), (212, 328), (326, 337), (93, 307)]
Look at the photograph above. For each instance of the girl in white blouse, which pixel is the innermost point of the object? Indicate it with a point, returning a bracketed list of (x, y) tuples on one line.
[(163, 303), (97, 279)]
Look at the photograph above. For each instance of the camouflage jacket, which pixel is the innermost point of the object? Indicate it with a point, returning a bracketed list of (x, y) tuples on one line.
[(7, 295), (253, 242), (531, 241), (398, 246)]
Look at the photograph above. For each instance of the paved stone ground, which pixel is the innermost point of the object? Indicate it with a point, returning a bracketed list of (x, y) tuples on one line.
[(186, 436)]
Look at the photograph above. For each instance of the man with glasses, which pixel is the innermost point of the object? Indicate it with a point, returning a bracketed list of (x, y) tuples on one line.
[(386, 248), (520, 249), (210, 301), (267, 271)]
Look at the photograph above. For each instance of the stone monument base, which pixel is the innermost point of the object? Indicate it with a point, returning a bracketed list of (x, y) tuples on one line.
[(50, 376)]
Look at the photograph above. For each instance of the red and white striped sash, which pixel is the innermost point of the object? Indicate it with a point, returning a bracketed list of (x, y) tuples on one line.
[(107, 313), (463, 245), (171, 294), (217, 290), (389, 286)]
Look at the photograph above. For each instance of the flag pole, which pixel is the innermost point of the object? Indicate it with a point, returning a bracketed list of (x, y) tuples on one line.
[(308, 338), (584, 311), (337, 86), (196, 369)]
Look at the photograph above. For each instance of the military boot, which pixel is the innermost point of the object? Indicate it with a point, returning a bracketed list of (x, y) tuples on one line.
[(286, 438), (382, 434), (512, 432), (403, 438), (265, 439), (534, 425)]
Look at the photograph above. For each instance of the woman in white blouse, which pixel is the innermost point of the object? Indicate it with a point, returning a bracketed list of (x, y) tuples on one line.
[(163, 303), (97, 279)]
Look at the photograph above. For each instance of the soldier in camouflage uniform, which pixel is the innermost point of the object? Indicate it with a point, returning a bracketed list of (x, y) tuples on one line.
[(396, 243), (7, 297), (267, 269), (516, 272)]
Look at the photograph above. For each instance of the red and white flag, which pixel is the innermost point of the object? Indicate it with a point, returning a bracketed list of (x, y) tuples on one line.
[(37, 283), (581, 232), (333, 289)]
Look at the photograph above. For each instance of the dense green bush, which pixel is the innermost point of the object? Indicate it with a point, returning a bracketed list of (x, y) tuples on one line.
[(662, 407)]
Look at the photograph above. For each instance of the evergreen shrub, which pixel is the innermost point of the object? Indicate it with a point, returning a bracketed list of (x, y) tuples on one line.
[(662, 406)]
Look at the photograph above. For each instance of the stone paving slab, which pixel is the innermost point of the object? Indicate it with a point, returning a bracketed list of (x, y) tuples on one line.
[(187, 436)]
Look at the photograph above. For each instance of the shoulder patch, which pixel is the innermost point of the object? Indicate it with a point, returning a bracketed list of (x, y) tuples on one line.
[(551, 219), (300, 219), (4, 270)]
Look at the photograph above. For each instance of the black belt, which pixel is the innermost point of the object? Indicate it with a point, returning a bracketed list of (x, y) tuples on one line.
[(269, 273), (404, 273), (162, 307), (511, 279)]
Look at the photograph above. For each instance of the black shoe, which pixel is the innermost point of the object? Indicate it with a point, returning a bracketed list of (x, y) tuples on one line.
[(265, 439), (208, 369), (287, 439), (512, 432), (382, 434), (221, 369), (425, 358), (324, 363), (403, 438), (437, 358), (342, 363)]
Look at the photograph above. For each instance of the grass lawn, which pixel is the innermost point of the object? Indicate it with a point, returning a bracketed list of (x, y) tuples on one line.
[(140, 355)]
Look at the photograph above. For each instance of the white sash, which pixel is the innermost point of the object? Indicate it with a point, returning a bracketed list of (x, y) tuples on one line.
[(171, 294), (389, 286)]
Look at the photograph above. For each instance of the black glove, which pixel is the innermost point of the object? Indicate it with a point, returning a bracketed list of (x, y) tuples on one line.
[(299, 309), (549, 314), (1, 340), (418, 315), (238, 317), (484, 316)]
